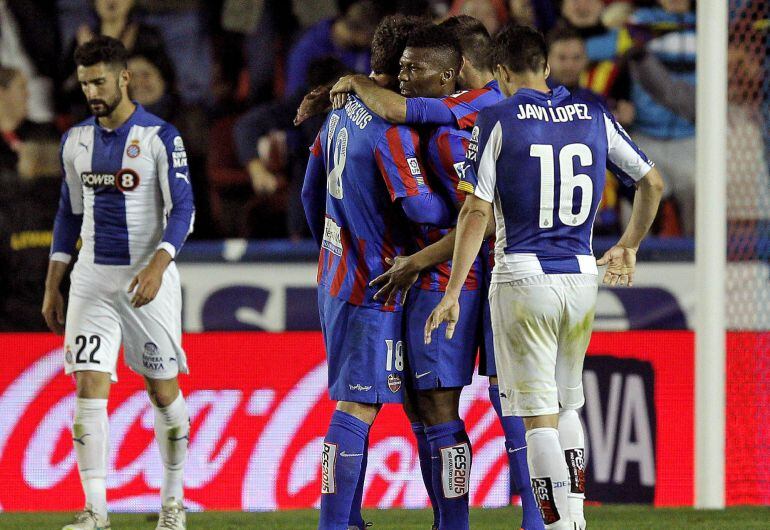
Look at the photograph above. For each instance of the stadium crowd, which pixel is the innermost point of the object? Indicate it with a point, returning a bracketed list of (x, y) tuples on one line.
[(230, 74)]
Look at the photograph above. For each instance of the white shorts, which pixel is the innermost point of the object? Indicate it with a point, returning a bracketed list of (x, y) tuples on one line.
[(100, 317), (541, 326)]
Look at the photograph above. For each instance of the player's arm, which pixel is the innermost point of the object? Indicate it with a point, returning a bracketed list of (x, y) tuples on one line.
[(66, 230), (179, 207), (630, 165), (389, 105), (314, 191), (473, 222)]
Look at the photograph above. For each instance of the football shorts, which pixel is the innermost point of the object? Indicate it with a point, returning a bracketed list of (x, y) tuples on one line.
[(542, 326)]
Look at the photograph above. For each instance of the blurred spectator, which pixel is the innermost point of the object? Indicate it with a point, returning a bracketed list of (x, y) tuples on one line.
[(492, 13), (28, 42), (667, 134), (568, 60), (603, 46), (25, 236), (346, 38), (537, 13), (187, 43), (258, 164), (15, 126)]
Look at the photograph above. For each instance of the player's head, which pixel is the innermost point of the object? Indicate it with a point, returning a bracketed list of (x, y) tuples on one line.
[(103, 73), (520, 57), (430, 63), (475, 44), (567, 56), (388, 44), (13, 95)]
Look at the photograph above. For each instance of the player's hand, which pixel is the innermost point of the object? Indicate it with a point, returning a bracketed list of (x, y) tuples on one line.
[(339, 92), (448, 310), (53, 310), (315, 102), (397, 279), (621, 263), (145, 285)]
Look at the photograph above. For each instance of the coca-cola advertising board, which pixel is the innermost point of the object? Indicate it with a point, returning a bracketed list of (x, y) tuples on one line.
[(259, 410)]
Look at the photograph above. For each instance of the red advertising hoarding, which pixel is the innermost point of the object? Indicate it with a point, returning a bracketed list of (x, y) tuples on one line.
[(259, 411)]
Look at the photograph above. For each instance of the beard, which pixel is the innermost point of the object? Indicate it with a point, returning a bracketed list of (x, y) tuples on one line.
[(101, 108)]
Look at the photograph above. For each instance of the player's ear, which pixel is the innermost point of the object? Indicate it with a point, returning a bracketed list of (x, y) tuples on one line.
[(125, 78), (547, 70)]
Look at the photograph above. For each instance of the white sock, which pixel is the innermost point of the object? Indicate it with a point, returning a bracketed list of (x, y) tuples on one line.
[(573, 443), (90, 436), (550, 478), (172, 430)]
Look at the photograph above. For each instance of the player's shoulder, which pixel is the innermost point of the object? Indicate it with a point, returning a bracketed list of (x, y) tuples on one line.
[(448, 132)]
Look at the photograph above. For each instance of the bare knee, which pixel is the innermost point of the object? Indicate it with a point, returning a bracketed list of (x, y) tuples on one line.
[(538, 422), (162, 392), (439, 405), (92, 385), (365, 412)]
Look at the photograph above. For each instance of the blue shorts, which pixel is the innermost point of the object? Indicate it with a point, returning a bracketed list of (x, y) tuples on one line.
[(364, 350), (442, 363), (487, 366)]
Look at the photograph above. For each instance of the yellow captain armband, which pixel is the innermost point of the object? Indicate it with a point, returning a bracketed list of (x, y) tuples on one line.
[(467, 187)]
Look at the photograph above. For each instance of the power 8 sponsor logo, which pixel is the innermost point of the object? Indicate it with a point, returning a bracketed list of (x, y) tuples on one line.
[(543, 490), (328, 466), (124, 180), (456, 470)]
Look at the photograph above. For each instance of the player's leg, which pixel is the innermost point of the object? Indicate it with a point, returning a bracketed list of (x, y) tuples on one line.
[(513, 428), (526, 317), (153, 348), (365, 358), (92, 342), (441, 369), (580, 301), (423, 450)]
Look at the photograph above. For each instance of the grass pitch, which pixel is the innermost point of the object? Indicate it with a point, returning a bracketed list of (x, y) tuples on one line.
[(599, 518)]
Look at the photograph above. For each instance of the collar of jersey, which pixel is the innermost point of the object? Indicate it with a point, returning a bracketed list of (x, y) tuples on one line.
[(557, 93), (139, 110)]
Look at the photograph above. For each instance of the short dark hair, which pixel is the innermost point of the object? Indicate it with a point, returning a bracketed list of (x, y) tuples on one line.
[(562, 32), (390, 40), (102, 49), (441, 40), (520, 48), (474, 40)]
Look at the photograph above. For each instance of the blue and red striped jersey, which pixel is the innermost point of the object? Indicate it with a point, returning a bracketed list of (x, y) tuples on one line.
[(445, 159), (366, 165), (463, 107)]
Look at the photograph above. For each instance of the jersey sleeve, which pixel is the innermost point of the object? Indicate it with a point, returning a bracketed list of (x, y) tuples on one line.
[(176, 191), (398, 157), (481, 159), (69, 217), (624, 158), (432, 111), (452, 147), (314, 191)]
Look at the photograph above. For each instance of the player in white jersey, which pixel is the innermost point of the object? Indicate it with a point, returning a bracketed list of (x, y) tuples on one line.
[(126, 193), (537, 161)]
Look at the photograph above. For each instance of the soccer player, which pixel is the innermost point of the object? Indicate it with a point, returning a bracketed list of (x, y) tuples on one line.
[(126, 193), (540, 157), (363, 185), (451, 113)]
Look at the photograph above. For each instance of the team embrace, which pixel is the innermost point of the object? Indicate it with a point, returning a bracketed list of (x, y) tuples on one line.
[(452, 194)]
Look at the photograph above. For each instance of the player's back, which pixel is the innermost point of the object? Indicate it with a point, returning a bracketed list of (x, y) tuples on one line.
[(551, 155), (369, 164)]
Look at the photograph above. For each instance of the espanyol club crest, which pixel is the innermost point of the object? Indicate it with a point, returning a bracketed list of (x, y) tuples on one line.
[(133, 149), (394, 383)]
